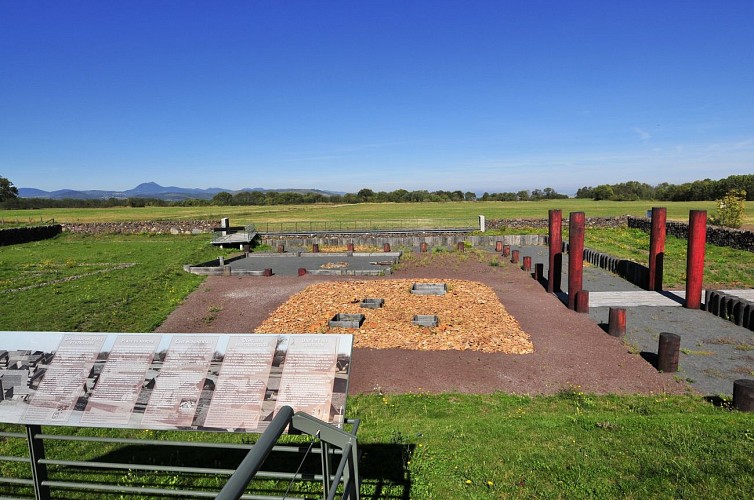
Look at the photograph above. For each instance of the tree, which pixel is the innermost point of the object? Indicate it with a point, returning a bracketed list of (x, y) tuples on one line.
[(730, 209), (7, 190), (222, 198)]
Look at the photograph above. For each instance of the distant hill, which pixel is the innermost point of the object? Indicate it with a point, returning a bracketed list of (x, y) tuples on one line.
[(151, 190)]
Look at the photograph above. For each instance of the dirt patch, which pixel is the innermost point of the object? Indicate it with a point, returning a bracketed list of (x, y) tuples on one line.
[(470, 315)]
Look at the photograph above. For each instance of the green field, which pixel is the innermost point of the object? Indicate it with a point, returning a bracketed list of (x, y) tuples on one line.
[(572, 445), (365, 212)]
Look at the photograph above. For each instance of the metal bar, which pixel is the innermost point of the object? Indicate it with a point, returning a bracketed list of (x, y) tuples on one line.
[(19, 435), (14, 459), (38, 470), (15, 480), (339, 473), (237, 483)]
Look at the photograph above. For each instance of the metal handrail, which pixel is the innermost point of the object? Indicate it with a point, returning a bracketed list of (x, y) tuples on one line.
[(253, 461)]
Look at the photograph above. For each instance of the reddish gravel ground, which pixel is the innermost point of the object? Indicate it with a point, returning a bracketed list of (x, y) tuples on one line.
[(570, 350)]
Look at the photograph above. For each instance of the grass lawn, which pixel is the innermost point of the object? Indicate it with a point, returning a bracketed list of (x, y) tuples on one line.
[(367, 212), (454, 446), (97, 283)]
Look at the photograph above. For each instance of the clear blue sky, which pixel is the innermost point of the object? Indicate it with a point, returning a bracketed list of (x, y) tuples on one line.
[(471, 95)]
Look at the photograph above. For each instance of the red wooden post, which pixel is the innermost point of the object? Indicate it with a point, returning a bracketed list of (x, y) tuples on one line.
[(668, 352), (498, 246), (267, 272), (506, 250), (315, 247), (527, 263), (555, 239), (301, 271), (743, 394), (657, 248), (461, 246), (616, 323), (582, 301), (281, 248), (386, 247), (514, 256), (695, 258), (575, 256), (423, 247), (349, 247)]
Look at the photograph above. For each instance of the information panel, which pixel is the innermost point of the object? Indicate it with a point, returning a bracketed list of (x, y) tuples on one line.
[(171, 381)]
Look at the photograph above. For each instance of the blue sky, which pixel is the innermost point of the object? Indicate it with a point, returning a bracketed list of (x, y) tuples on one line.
[(340, 95)]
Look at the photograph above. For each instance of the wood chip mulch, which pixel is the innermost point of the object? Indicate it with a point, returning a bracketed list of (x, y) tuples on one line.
[(470, 316)]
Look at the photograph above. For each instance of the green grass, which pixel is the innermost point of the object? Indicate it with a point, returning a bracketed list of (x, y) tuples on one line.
[(572, 445), (97, 283), (724, 267), (367, 211)]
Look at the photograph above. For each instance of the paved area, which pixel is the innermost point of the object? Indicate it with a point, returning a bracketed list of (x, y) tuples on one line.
[(714, 352), (288, 264)]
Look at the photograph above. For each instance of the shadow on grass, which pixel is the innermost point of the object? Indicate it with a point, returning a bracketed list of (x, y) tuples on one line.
[(382, 468)]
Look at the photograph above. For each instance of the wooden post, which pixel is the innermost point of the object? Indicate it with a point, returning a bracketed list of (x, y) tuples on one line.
[(301, 271), (386, 247), (539, 271), (743, 394), (667, 352), (315, 247), (423, 247), (575, 256), (281, 248), (267, 272), (349, 247), (657, 249), (506, 250), (555, 241), (498, 246), (461, 246), (514, 256), (582, 301), (527, 263), (695, 258), (616, 323)]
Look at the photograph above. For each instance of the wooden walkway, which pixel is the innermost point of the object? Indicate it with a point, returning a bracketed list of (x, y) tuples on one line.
[(645, 298)]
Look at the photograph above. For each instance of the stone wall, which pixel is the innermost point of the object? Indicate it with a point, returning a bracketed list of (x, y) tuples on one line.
[(596, 222), (26, 234), (720, 236), (141, 227), (449, 240)]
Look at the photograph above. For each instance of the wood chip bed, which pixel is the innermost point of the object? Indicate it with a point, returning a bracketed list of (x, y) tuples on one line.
[(470, 316)]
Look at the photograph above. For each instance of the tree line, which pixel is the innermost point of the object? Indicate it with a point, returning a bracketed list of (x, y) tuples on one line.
[(703, 190)]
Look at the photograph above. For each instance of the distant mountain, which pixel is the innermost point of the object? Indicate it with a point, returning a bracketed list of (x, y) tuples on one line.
[(151, 190)]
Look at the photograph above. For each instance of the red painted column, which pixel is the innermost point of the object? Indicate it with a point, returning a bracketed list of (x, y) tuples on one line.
[(575, 256), (657, 248), (555, 266), (514, 256), (527, 263), (695, 258)]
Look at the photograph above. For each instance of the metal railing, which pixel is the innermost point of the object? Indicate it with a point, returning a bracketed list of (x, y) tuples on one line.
[(50, 473), (367, 225)]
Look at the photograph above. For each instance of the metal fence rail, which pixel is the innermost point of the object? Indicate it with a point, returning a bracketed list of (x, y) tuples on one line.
[(48, 473), (366, 225)]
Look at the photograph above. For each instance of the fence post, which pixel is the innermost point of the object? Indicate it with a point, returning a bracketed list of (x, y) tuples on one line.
[(555, 242), (695, 258), (657, 249), (575, 256)]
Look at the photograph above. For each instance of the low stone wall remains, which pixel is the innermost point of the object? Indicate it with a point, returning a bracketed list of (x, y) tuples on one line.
[(720, 236), (141, 227), (432, 240), (596, 222), (17, 235)]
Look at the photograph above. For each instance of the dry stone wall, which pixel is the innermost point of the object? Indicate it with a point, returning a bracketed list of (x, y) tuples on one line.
[(141, 227), (720, 236), (17, 235)]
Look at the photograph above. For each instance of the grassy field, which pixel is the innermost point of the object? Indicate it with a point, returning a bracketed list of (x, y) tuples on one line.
[(102, 283), (457, 446), (364, 212), (417, 445)]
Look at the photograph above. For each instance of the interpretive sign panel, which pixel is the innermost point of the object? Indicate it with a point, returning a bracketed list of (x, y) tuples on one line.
[(171, 381)]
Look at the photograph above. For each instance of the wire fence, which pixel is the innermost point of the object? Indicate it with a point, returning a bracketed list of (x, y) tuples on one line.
[(366, 225)]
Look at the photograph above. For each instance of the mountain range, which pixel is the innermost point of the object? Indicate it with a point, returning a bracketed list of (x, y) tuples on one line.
[(150, 190)]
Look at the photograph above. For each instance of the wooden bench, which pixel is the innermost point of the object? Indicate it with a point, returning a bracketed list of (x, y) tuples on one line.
[(133, 384)]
